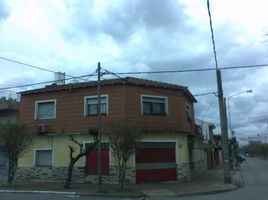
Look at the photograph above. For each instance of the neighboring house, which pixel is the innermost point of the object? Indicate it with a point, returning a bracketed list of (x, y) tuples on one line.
[(9, 113), (211, 149), (164, 112), (9, 110), (197, 154)]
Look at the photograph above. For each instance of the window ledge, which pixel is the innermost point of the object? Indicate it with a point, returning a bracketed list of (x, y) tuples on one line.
[(45, 119), (163, 115), (95, 115)]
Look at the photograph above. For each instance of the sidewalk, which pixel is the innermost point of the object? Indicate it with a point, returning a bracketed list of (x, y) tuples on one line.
[(211, 182)]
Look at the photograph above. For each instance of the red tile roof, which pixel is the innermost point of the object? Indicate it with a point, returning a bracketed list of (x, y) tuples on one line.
[(127, 80)]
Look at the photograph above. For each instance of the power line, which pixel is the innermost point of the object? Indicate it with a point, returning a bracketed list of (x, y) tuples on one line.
[(25, 64), (244, 66), (207, 93), (212, 35), (211, 109), (40, 83), (164, 71), (191, 70), (148, 72), (107, 72), (143, 72), (32, 66)]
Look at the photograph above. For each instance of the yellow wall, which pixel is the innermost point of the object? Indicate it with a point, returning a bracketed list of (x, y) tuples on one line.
[(198, 151), (59, 144)]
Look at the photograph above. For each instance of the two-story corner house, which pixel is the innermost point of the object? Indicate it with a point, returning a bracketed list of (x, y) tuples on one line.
[(165, 113), (9, 113)]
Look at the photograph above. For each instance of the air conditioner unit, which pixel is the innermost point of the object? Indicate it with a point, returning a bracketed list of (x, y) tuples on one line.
[(42, 129)]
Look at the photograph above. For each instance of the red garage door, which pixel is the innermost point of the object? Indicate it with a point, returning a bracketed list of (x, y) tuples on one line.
[(155, 161)]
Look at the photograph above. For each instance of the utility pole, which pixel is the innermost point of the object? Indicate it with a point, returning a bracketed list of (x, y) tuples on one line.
[(224, 131), (99, 130), (222, 108)]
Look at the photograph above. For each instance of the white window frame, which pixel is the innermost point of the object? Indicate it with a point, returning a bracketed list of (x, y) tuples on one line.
[(94, 97), (153, 96), (45, 101), (43, 149), (192, 112)]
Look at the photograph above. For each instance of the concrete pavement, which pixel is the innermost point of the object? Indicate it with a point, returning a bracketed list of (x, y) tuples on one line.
[(256, 184), (209, 183)]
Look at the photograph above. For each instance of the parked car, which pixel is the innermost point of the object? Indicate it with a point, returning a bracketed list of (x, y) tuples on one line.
[(240, 158)]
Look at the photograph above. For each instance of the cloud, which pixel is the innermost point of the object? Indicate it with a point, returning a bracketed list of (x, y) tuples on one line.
[(121, 19), (4, 10), (142, 35)]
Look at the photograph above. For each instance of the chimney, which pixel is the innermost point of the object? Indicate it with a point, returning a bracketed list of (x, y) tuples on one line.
[(59, 78)]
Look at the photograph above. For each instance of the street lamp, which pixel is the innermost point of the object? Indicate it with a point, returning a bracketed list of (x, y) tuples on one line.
[(229, 112)]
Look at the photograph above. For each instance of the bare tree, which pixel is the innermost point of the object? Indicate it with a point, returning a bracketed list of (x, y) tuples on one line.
[(81, 152), (15, 140), (123, 136)]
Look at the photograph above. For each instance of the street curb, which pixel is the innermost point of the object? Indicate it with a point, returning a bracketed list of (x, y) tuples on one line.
[(204, 193), (39, 192), (119, 195), (218, 191), (112, 195), (72, 193)]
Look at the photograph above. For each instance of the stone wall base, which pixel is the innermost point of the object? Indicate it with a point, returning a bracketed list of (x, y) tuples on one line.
[(112, 178), (58, 174), (49, 174), (183, 172)]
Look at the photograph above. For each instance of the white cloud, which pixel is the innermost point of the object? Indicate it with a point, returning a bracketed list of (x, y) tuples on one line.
[(139, 35), (4, 10)]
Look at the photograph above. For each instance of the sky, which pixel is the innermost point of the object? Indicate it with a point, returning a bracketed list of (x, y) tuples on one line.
[(72, 36)]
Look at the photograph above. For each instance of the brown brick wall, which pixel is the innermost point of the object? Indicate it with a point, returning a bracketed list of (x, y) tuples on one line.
[(124, 103), (70, 109), (175, 121)]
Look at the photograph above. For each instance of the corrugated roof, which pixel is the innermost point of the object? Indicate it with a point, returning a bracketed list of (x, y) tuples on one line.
[(126, 80)]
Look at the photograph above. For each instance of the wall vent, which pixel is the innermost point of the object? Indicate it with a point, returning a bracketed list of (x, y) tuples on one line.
[(42, 129)]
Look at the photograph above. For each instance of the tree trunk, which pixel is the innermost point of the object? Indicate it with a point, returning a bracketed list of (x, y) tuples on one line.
[(12, 167), (69, 174), (121, 185), (122, 173)]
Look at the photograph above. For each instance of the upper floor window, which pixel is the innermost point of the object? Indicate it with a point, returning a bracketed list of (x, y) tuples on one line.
[(189, 112), (45, 109), (154, 105), (91, 105)]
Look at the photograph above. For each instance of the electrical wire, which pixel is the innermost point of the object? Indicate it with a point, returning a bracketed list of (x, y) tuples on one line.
[(107, 72), (40, 83), (150, 72), (34, 66), (164, 71), (207, 93), (191, 70), (212, 35)]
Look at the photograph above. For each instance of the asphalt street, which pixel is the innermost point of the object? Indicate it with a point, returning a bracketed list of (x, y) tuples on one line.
[(7, 196), (256, 184), (256, 188)]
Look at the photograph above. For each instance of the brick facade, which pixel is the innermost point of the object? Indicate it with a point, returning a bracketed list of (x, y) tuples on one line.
[(124, 104)]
